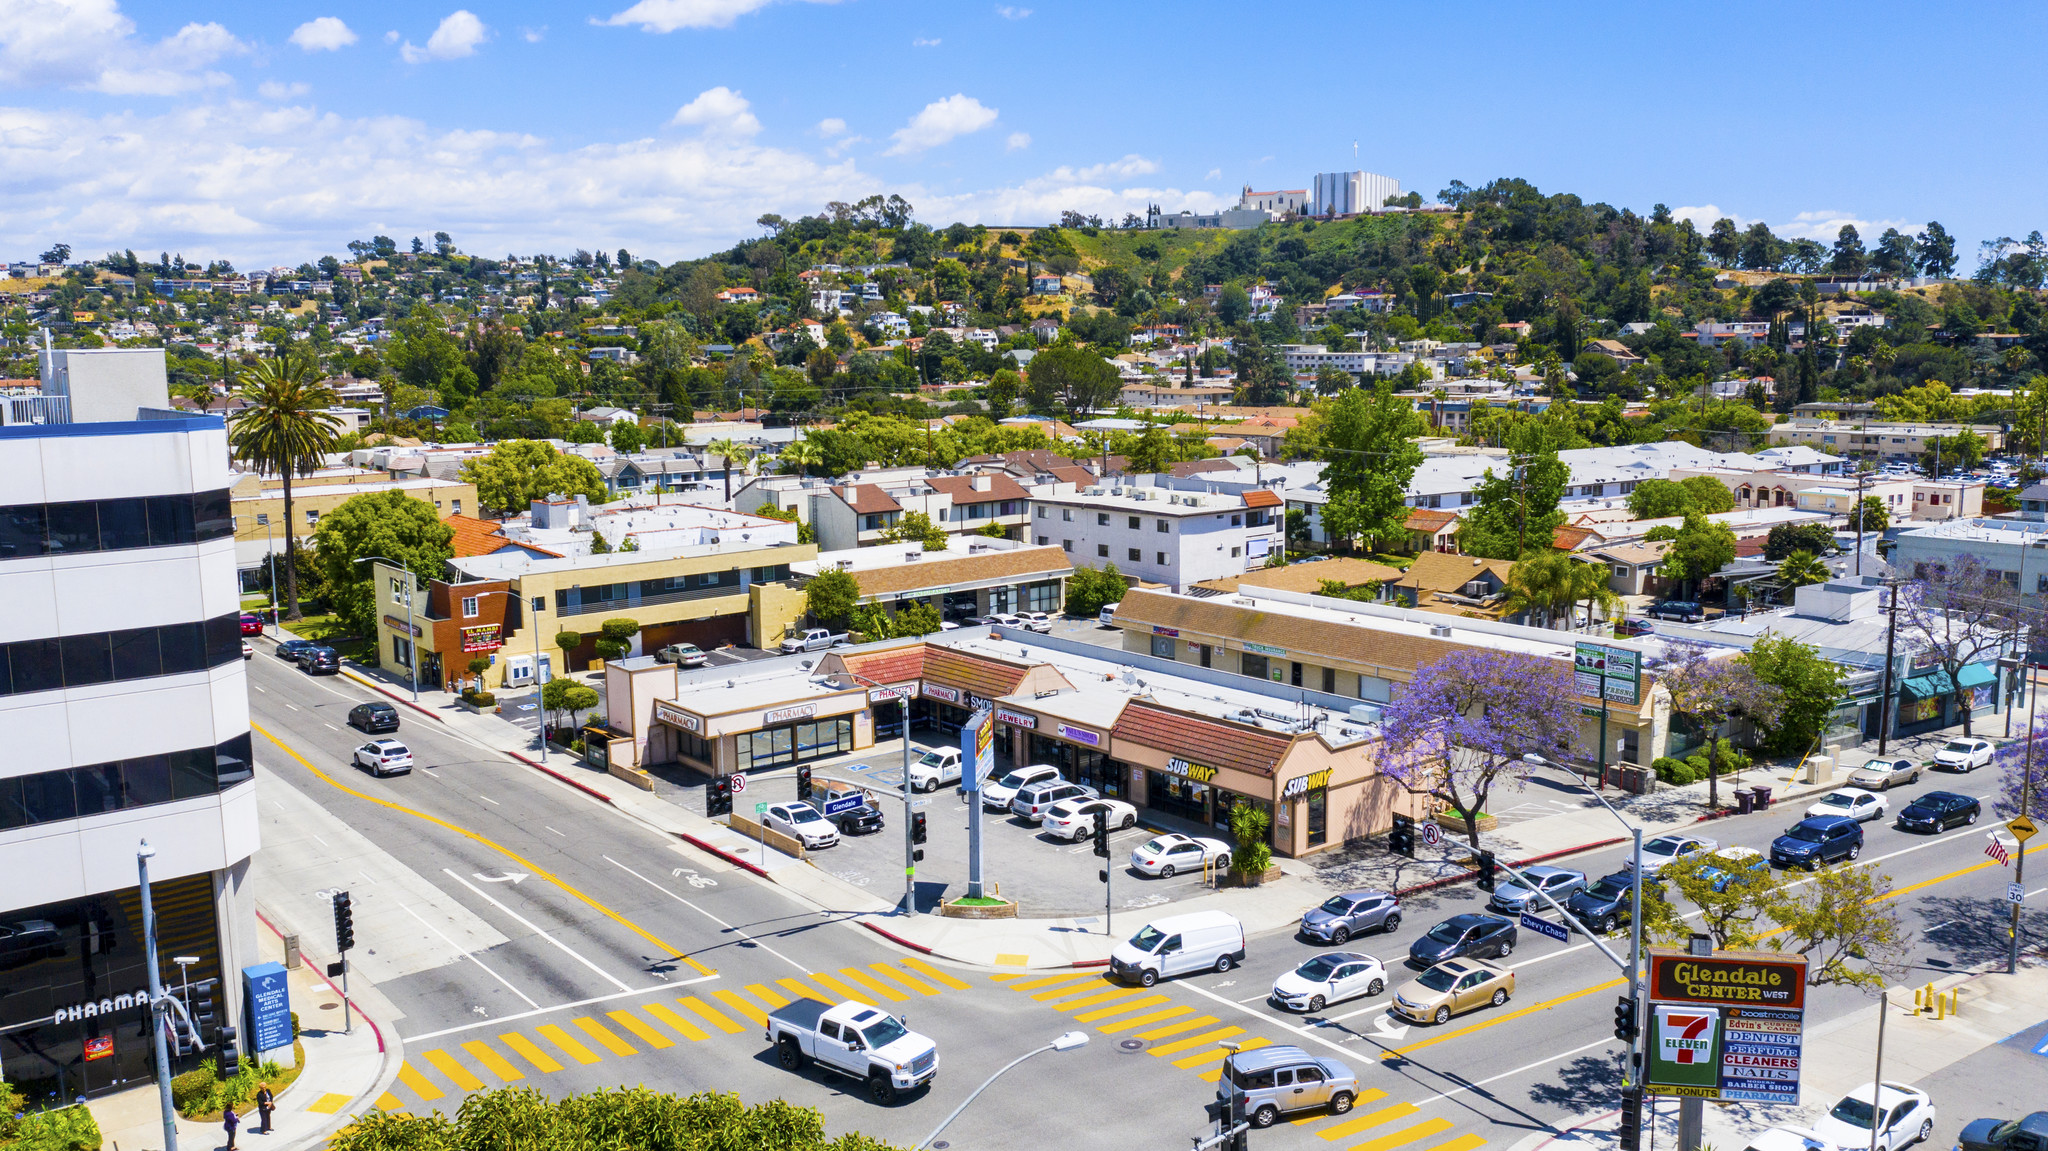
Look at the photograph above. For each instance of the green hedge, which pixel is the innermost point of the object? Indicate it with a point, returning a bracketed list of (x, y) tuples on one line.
[(479, 699), (60, 1129), (200, 1094), (1693, 768)]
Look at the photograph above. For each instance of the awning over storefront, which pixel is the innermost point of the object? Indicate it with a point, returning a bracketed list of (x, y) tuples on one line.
[(1978, 675), (1933, 685)]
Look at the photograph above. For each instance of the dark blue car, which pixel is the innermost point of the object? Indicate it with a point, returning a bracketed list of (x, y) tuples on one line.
[(1939, 811), (1818, 840)]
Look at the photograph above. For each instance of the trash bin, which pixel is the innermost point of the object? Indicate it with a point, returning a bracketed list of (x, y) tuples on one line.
[(1745, 801), (1763, 796)]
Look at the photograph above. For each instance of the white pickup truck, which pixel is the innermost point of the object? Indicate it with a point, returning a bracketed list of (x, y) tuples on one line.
[(811, 639), (854, 1039), (936, 767)]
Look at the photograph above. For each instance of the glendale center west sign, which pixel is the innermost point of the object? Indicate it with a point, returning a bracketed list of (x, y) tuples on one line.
[(1726, 1026)]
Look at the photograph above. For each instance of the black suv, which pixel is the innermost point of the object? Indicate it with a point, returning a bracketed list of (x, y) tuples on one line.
[(321, 661), (1939, 811), (1608, 903), (373, 717), (1683, 611)]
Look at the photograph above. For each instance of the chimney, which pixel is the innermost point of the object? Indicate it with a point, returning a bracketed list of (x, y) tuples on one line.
[(984, 483)]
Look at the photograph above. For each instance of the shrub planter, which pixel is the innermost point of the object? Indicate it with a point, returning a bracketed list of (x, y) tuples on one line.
[(464, 703), (1450, 821), (996, 909), (1246, 879)]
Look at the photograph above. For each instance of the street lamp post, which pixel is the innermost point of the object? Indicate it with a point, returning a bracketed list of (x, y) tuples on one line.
[(537, 604), (158, 1007), (1067, 1042), (412, 637), (909, 840), (270, 552)]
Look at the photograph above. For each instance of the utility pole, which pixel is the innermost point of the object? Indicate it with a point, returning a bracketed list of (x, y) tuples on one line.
[(1692, 1112), (1859, 520), (158, 1007), (1891, 636), (2019, 876)]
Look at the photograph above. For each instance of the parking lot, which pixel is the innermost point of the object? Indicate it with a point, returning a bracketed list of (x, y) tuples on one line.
[(1047, 878)]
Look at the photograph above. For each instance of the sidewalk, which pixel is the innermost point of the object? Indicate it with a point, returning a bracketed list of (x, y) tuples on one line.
[(344, 1074), (1841, 1055)]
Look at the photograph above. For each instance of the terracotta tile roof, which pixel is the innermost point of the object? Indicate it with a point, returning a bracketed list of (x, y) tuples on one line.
[(1018, 563), (1567, 539), (985, 677), (963, 491), (1430, 520), (867, 499), (894, 665), (1199, 740), (475, 537), (1261, 498)]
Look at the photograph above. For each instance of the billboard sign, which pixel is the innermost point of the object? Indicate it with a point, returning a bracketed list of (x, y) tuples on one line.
[(977, 750), (1755, 978), (1726, 1026), (1614, 674)]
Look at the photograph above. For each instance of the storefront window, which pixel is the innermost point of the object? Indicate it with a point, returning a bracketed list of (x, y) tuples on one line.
[(1081, 764), (1253, 665), (1042, 596), (1318, 816), (776, 746), (1177, 795), (1227, 801), (1162, 646)]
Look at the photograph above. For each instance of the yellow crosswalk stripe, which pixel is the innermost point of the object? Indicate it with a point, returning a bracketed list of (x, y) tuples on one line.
[(711, 1015), (603, 1034), (1121, 1008), (530, 1051), (835, 987), (1177, 1027), (640, 1027), (1216, 1056), (1073, 989), (1373, 1119), (456, 1072), (907, 980), (745, 1008), (567, 1043), (1466, 1142), (493, 1062), (1050, 980), (417, 1083), (1368, 1095), (390, 1102), (804, 992), (762, 992), (935, 974), (1194, 1041), (1141, 1020), (875, 985), (690, 1030), (1098, 997), (1404, 1136)]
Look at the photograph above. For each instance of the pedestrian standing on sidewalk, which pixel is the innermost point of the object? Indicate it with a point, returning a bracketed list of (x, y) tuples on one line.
[(230, 1120), (265, 1101)]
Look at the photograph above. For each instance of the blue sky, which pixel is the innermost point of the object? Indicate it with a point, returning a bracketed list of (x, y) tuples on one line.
[(275, 132)]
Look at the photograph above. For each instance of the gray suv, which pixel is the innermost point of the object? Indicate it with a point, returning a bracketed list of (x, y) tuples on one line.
[(1275, 1080), (1353, 913)]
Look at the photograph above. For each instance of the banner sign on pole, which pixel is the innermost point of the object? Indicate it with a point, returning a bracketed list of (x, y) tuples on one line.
[(1727, 1026)]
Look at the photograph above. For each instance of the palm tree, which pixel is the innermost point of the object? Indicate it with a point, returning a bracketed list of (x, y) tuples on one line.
[(733, 453), (1587, 582), (1802, 568), (1537, 585), (285, 429), (801, 456)]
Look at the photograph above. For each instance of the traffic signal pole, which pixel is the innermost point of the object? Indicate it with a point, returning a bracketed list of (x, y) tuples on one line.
[(157, 1006)]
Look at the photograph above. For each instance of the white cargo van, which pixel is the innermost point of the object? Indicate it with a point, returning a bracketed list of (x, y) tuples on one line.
[(1179, 945)]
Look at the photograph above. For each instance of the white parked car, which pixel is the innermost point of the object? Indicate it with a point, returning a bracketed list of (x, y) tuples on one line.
[(1331, 977), (1854, 802), (803, 823), (1036, 621), (1107, 616), (997, 796), (1662, 851), (1035, 799), (385, 757), (1075, 818), (1884, 773), (1173, 852), (941, 765), (1905, 1116), (1963, 754)]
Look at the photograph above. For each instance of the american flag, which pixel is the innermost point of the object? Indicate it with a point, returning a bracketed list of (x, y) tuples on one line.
[(1996, 850)]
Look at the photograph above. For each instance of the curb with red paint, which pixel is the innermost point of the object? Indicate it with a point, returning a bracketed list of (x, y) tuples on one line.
[(729, 857), (380, 689), (895, 938), (374, 1029), (559, 776)]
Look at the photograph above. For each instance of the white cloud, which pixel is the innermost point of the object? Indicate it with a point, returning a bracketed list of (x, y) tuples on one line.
[(669, 15), (278, 90), (323, 34), (1062, 189), (831, 126), (1018, 141), (1009, 13), (719, 111), (1131, 165), (920, 42), (1214, 174), (941, 120), (1823, 225), (90, 44), (458, 35), (533, 35)]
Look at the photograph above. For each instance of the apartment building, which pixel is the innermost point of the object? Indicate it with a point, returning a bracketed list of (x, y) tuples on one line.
[(1158, 534), (123, 697), (258, 508), (865, 509), (1880, 439)]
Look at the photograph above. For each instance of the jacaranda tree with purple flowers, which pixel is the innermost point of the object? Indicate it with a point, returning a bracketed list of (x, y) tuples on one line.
[(1712, 688), (1462, 726), (2021, 774)]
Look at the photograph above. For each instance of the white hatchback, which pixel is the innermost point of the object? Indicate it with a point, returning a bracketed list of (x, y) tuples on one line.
[(385, 757)]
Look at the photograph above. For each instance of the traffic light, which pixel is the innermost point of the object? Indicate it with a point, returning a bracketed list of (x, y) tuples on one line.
[(1625, 1019), (1401, 837), (1103, 875), (917, 827), (344, 922), (718, 800), (803, 781), (1102, 832), (1631, 1131), (228, 1052), (1486, 869)]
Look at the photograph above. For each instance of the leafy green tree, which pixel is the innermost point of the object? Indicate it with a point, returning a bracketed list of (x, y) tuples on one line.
[(1069, 379), (917, 527), (1152, 452), (518, 472), (628, 436), (393, 525), (830, 596), (423, 354), (1003, 389), (564, 694), (1089, 590), (285, 430), (1701, 548), (1659, 499), (523, 1119), (1802, 568), (1366, 439), (1517, 512), (1736, 913), (1233, 305), (1846, 925), (615, 638), (1784, 539), (1874, 515), (917, 618), (1810, 687), (1709, 495)]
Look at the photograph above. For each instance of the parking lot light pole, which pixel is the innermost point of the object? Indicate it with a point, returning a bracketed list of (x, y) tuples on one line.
[(1067, 1042), (412, 638), (909, 840)]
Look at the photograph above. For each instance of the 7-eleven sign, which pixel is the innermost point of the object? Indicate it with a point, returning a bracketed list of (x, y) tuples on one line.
[(1685, 1050)]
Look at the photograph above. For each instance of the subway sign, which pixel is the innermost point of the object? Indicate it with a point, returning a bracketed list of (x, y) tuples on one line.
[(1749, 978)]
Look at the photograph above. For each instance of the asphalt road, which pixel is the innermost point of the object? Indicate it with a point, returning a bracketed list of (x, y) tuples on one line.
[(622, 957)]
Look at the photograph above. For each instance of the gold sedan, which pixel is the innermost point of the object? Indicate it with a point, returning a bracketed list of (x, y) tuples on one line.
[(1453, 987)]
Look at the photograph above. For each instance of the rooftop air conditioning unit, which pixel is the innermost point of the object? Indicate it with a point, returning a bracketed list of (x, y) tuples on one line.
[(1440, 630), (1475, 588)]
